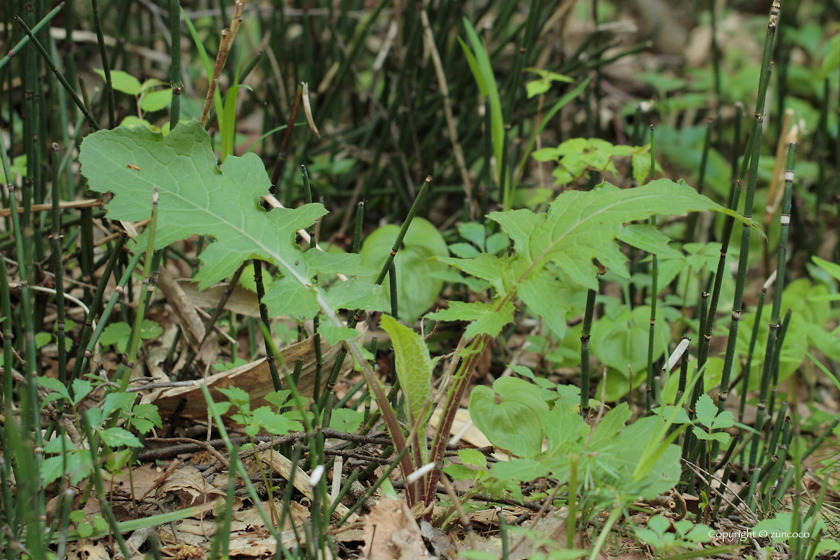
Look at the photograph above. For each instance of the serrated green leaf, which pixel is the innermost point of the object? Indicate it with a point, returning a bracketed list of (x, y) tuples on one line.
[(53, 384), (581, 226), (346, 420), (118, 437), (274, 423), (355, 294), (611, 424), (116, 401), (484, 266), (196, 197), (334, 335), (649, 239), (562, 425), (472, 457), (81, 389), (85, 529), (414, 366), (485, 320), (706, 410)]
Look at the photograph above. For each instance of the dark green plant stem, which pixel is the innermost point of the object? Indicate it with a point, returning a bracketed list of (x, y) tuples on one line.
[(6, 305), (100, 489), (356, 316), (743, 259), (92, 121), (773, 439), (58, 267), (27, 332), (175, 67), (370, 491), (730, 451), (14, 51), (269, 355), (103, 54), (284, 146), (90, 340), (820, 439), (654, 277), (729, 221), (774, 366), (692, 219), (316, 321), (211, 321), (584, 350), (777, 300)]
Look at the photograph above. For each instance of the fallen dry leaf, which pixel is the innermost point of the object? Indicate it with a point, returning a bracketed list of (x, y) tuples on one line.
[(85, 549), (391, 533), (190, 488)]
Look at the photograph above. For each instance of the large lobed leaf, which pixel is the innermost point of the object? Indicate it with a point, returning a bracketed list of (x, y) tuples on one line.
[(197, 197), (579, 228)]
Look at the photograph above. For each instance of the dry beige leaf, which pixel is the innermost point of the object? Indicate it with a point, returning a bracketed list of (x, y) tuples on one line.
[(190, 488), (252, 519), (85, 549), (253, 378), (241, 301), (283, 467), (391, 533)]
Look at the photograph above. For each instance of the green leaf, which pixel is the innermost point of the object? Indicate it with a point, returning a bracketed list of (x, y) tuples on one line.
[(122, 81), (115, 333), (484, 266), (581, 225), (85, 529), (114, 401), (241, 399), (334, 335), (485, 320), (349, 264), (706, 410), (463, 250), (278, 398), (346, 420), (472, 457), (355, 294), (156, 100), (611, 424), (53, 384), (832, 268), (422, 241), (414, 366), (227, 121), (289, 297), (81, 389), (274, 423), (42, 339), (543, 296), (118, 437), (146, 417), (485, 70), (222, 202), (514, 423), (472, 232), (649, 239), (562, 425), (497, 243)]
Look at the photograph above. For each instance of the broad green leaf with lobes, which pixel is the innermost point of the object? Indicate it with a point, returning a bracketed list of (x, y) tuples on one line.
[(581, 226), (197, 197)]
